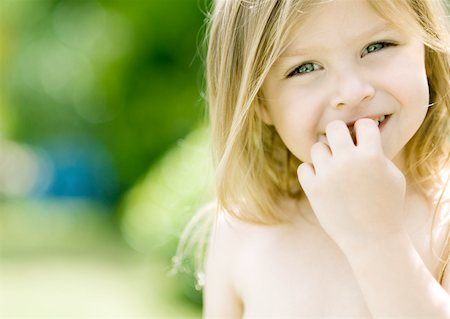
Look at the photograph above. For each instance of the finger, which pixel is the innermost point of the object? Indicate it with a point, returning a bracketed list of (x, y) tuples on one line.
[(368, 135), (320, 156), (306, 175), (339, 137)]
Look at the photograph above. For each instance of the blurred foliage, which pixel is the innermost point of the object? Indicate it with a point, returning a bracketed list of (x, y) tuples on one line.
[(157, 209), (62, 258), (24, 223), (101, 100), (125, 74)]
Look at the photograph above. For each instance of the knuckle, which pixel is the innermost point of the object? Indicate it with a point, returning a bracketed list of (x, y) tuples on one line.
[(370, 157)]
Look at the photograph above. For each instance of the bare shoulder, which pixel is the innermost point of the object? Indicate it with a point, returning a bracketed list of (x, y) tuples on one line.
[(445, 271), (233, 247), (442, 242), (221, 297)]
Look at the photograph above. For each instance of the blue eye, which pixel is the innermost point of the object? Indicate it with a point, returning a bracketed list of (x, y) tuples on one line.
[(374, 47), (305, 68)]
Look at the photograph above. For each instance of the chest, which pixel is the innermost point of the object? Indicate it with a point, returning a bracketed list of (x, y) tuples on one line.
[(294, 275)]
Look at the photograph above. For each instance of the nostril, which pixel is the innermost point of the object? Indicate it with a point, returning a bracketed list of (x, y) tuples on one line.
[(340, 106)]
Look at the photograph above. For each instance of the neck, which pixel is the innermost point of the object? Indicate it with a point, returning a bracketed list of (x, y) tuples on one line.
[(399, 161)]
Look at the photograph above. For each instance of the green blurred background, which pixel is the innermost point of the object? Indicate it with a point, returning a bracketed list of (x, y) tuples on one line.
[(103, 156)]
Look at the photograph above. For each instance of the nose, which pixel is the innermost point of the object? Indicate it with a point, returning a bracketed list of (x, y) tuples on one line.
[(351, 89)]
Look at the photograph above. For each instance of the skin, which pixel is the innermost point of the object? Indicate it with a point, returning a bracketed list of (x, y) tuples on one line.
[(356, 192), (351, 70), (359, 247), (341, 70), (348, 82)]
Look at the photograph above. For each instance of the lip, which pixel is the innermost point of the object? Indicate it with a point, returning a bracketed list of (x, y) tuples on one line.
[(372, 117), (350, 124), (382, 125)]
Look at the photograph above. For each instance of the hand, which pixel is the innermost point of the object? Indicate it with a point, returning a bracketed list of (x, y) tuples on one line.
[(356, 192)]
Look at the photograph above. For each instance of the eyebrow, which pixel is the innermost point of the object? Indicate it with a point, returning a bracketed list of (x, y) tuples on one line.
[(384, 27)]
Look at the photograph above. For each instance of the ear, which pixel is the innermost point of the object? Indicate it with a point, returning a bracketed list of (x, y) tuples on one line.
[(261, 110)]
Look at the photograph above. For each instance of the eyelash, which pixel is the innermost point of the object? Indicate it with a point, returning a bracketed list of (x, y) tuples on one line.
[(385, 44)]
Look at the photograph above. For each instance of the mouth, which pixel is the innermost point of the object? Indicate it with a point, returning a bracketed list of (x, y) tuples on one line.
[(379, 120)]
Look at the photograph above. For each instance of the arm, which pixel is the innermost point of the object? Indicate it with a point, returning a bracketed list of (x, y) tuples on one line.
[(395, 282), (220, 299), (358, 196)]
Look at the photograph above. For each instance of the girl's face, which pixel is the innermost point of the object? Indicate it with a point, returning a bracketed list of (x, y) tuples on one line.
[(345, 62)]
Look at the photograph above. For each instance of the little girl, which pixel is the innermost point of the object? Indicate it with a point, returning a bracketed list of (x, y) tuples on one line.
[(330, 128)]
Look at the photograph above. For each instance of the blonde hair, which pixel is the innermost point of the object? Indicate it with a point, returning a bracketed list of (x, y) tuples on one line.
[(254, 169)]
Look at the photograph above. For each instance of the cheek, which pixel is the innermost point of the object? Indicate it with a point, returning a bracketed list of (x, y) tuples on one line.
[(411, 90), (408, 79), (298, 113), (296, 121), (412, 93)]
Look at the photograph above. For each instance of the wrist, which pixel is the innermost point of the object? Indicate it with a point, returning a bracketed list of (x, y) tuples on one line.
[(395, 280), (378, 248)]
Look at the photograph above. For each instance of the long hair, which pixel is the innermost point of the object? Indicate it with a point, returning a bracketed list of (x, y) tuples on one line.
[(254, 169), (427, 153)]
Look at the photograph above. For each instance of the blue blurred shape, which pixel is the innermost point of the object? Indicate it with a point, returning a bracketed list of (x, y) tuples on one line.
[(77, 167)]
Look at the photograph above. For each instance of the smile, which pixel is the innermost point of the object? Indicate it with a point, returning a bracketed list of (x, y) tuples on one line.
[(380, 120)]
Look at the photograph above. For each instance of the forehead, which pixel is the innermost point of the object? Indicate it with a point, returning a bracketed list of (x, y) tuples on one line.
[(337, 19), (392, 10)]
